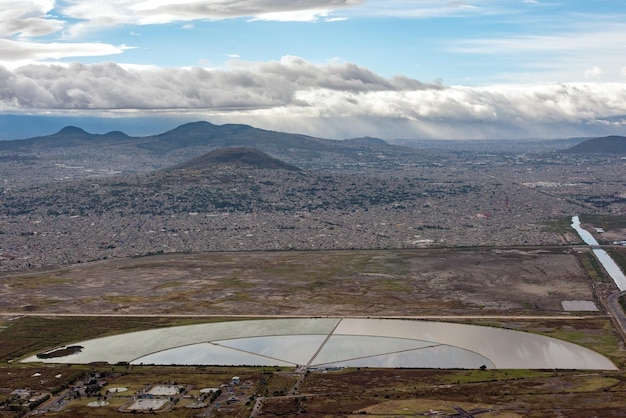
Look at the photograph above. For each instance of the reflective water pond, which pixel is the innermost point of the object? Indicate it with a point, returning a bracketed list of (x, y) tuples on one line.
[(334, 342)]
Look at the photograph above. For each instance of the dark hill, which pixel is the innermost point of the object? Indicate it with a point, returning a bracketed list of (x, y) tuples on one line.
[(117, 134), (68, 137), (72, 131), (238, 156), (231, 135), (605, 145), (192, 139)]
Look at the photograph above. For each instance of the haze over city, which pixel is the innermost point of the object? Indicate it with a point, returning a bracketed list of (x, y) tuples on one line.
[(508, 69)]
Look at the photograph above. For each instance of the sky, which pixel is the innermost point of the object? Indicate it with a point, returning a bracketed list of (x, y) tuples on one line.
[(423, 69)]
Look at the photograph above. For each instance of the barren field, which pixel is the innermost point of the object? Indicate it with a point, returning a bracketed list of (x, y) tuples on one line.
[(330, 283)]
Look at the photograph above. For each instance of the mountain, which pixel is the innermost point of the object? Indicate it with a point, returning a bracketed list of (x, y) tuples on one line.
[(20, 126), (68, 137), (605, 145), (120, 152), (229, 135), (237, 156)]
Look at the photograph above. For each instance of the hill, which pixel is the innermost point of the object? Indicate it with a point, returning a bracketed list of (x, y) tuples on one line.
[(135, 154), (294, 148), (230, 135), (605, 145), (236, 156), (68, 137)]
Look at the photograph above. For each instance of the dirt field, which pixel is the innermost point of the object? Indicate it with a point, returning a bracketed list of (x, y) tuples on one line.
[(364, 283)]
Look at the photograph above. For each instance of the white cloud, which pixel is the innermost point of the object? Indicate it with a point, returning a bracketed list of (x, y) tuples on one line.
[(427, 8), (27, 18), (587, 38), (335, 99), (562, 56), (593, 72), (167, 11), (14, 52), (98, 10), (294, 16), (22, 20)]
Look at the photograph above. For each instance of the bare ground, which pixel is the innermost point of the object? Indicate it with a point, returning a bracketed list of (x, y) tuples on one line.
[(326, 283)]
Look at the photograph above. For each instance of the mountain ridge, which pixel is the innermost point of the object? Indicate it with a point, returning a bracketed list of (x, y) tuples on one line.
[(202, 132), (613, 144), (191, 134), (68, 136), (192, 139)]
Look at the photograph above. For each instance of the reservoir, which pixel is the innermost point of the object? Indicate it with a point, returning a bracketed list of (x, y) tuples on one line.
[(319, 343)]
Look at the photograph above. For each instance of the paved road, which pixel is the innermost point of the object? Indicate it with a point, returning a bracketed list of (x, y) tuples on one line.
[(617, 311)]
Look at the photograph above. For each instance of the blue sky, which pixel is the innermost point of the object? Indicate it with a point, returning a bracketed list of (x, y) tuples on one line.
[(333, 68)]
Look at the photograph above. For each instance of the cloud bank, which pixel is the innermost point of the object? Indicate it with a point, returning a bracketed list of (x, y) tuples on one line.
[(337, 99)]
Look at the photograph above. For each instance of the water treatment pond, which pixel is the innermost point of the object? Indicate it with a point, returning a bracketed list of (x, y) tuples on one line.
[(335, 342)]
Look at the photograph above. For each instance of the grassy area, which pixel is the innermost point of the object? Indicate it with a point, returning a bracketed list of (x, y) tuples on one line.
[(607, 222), (595, 383), (477, 376), (562, 226), (277, 383), (416, 407), (509, 392), (592, 267)]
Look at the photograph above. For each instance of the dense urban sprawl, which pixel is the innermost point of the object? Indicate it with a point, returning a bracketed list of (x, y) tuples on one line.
[(59, 213)]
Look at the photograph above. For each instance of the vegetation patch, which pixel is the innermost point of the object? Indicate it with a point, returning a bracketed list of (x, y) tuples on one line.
[(61, 352), (619, 256), (607, 222)]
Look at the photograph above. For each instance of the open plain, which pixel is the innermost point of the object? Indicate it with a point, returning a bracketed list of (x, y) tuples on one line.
[(421, 282)]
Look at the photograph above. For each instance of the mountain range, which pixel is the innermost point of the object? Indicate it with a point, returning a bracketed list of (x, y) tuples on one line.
[(192, 139), (188, 141), (192, 134)]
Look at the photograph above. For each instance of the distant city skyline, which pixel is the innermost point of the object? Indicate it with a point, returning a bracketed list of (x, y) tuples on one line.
[(328, 68)]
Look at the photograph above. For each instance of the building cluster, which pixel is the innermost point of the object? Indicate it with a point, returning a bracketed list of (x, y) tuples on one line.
[(93, 390), (464, 199)]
